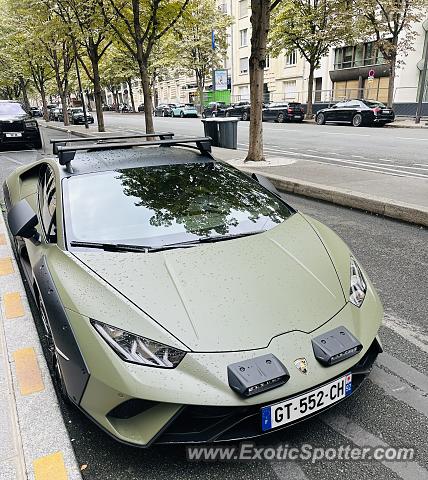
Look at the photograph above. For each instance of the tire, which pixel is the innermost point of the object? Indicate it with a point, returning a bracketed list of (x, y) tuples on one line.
[(37, 144), (56, 372), (245, 116), (227, 114), (204, 115), (320, 119), (357, 120), (163, 113), (280, 118), (214, 115), (181, 115)]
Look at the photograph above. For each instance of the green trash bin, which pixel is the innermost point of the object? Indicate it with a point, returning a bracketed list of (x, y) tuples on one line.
[(223, 131)]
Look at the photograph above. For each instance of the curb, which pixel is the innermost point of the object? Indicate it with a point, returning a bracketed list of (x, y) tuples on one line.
[(35, 439), (397, 210), (67, 130), (348, 198)]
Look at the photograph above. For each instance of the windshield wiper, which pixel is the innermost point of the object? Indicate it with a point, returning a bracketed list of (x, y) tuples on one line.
[(112, 247), (121, 247)]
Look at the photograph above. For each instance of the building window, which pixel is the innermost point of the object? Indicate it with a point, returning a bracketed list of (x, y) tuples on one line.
[(267, 61), (244, 93), (243, 8), (243, 37), (291, 59), (243, 65), (358, 56), (289, 89)]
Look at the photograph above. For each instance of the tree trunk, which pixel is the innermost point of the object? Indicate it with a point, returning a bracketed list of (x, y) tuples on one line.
[(63, 97), (310, 90), (200, 87), (23, 86), (131, 93), (260, 18), (115, 100), (391, 81), (148, 104), (97, 91), (44, 103)]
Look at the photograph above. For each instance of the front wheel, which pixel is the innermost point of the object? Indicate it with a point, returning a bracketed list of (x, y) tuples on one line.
[(214, 115), (227, 114), (320, 119), (357, 120), (245, 116), (181, 114), (204, 115), (280, 117)]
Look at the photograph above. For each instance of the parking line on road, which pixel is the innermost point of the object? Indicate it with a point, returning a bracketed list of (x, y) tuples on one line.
[(50, 467), (28, 371), (403, 370), (407, 470), (6, 266), (407, 331), (13, 307)]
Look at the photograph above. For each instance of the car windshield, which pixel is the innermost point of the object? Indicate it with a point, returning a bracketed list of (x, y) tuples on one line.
[(77, 110), (168, 204), (11, 108)]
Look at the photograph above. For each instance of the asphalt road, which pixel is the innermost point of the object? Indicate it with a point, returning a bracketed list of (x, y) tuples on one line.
[(391, 408), (385, 150)]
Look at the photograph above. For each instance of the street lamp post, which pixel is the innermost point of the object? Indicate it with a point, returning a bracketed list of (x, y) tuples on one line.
[(423, 84)]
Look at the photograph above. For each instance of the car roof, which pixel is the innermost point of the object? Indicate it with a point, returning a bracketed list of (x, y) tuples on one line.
[(85, 162)]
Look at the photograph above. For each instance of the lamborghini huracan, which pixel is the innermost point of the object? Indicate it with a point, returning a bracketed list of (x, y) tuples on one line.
[(184, 300)]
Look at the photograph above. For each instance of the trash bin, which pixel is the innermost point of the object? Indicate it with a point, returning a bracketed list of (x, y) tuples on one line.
[(223, 131)]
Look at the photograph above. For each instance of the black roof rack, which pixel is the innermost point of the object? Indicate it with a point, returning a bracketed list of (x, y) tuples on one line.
[(57, 142), (66, 154)]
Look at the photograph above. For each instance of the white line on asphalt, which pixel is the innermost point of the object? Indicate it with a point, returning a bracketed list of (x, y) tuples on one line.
[(361, 437), (397, 388), (413, 138), (374, 165), (288, 470), (420, 164), (354, 134), (403, 370), (409, 332), (10, 159)]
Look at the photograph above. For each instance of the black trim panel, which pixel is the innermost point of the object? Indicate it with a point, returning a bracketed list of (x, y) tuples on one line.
[(74, 370)]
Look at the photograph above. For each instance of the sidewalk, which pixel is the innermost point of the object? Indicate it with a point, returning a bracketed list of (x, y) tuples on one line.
[(34, 443), (401, 198)]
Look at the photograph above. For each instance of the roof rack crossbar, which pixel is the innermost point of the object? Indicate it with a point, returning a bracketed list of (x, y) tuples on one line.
[(60, 142), (66, 153)]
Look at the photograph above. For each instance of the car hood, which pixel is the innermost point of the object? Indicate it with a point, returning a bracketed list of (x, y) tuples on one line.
[(231, 295), (12, 118)]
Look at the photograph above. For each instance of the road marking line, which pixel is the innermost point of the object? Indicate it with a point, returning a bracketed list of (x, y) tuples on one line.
[(407, 470), (407, 331), (397, 388), (28, 371), (403, 370), (13, 307), (2, 239), (413, 138), (288, 470), (50, 467), (6, 266)]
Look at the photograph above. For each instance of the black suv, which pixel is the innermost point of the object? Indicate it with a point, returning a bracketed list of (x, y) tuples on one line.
[(283, 112), (240, 110), (17, 126), (214, 109)]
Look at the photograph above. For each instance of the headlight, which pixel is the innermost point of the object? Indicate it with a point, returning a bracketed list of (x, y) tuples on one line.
[(358, 289), (30, 123), (135, 349)]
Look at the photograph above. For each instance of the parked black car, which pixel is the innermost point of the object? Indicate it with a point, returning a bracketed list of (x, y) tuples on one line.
[(77, 117), (214, 109), (106, 108), (240, 110), (164, 110), (55, 114), (283, 112), (17, 126), (141, 107), (36, 112), (356, 112)]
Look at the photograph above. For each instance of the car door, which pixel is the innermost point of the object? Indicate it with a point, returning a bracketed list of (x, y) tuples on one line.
[(350, 109), (337, 112), (268, 113)]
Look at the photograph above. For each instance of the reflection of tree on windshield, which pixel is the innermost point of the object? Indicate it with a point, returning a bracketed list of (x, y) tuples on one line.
[(201, 197)]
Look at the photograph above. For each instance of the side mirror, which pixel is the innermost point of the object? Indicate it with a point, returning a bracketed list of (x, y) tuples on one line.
[(22, 219), (266, 183)]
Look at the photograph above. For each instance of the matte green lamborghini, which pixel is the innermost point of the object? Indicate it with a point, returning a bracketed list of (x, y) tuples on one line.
[(184, 300)]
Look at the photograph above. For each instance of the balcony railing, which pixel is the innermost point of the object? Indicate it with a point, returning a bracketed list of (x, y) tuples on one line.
[(359, 63)]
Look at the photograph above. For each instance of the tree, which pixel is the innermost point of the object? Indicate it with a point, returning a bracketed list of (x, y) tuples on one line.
[(260, 22), (139, 28), (195, 47), (391, 21), (312, 28), (92, 35)]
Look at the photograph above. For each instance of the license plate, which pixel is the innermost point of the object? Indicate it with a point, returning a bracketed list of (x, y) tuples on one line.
[(386, 111), (301, 406), (13, 134)]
